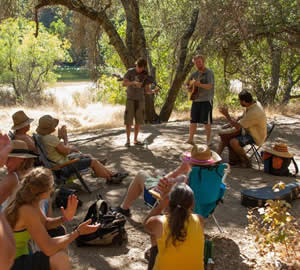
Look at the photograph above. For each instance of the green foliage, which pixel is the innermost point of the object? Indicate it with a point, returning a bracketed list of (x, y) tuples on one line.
[(58, 28), (27, 62), (72, 73), (110, 90), (275, 229)]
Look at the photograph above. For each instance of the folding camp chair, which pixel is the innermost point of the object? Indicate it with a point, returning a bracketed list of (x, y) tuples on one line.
[(208, 185), (255, 149), (57, 168)]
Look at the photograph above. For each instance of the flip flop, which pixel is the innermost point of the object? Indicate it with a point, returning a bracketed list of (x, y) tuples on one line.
[(138, 143), (127, 144), (117, 178)]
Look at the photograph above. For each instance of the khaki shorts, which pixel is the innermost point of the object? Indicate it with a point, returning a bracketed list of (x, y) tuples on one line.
[(134, 109)]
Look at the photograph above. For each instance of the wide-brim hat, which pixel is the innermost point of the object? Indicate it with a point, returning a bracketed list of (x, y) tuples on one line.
[(47, 125), (280, 150), (201, 155), (20, 120), (20, 150)]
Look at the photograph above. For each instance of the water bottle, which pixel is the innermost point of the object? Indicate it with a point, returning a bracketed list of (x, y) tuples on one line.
[(145, 144)]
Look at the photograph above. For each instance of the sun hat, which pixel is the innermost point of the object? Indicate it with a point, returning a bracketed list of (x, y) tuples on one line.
[(20, 150), (20, 120), (279, 149), (47, 125), (201, 155)]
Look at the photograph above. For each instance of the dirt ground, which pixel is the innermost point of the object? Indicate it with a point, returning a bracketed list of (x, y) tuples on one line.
[(234, 249)]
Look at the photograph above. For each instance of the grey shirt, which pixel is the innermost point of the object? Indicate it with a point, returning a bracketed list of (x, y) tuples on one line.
[(134, 92), (207, 77)]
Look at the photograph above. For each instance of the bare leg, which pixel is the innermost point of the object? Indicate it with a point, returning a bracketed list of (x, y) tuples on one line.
[(100, 170), (135, 189), (128, 131), (208, 133), (136, 132), (221, 148), (234, 143), (60, 261), (193, 128)]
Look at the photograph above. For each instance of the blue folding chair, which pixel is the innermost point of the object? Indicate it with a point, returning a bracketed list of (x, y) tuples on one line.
[(207, 182)]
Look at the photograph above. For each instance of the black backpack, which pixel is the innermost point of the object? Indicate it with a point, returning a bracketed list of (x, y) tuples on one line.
[(112, 229), (284, 170)]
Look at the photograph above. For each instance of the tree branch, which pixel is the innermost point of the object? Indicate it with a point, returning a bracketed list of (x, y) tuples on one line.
[(95, 15)]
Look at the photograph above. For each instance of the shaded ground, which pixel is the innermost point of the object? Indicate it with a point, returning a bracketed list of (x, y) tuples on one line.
[(233, 250)]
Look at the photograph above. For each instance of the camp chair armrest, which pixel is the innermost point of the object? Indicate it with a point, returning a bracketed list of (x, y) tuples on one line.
[(59, 166), (155, 194)]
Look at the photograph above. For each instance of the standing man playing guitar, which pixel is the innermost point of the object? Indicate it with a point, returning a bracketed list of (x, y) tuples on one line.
[(201, 89)]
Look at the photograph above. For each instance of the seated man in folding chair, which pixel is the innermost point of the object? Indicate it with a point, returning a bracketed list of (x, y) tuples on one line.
[(58, 152), (253, 126)]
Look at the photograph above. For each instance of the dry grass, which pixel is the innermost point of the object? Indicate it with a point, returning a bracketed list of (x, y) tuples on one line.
[(77, 111)]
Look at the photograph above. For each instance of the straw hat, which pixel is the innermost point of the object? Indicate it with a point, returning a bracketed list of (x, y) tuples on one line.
[(279, 149), (47, 125), (20, 150), (201, 155), (20, 120)]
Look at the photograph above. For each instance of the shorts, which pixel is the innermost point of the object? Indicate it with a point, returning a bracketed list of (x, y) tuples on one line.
[(135, 109), (201, 112), (245, 139), (35, 261), (82, 164)]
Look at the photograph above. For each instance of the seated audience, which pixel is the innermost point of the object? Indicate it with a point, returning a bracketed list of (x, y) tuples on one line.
[(178, 233), (253, 125), (21, 127), (27, 221), (58, 151), (147, 181), (144, 180)]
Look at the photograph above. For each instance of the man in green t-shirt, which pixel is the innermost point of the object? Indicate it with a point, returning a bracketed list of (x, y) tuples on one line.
[(59, 152)]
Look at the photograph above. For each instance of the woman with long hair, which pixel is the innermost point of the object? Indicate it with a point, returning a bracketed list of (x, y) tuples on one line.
[(27, 221), (178, 233)]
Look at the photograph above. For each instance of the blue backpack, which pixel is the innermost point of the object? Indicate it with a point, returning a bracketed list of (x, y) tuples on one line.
[(208, 187)]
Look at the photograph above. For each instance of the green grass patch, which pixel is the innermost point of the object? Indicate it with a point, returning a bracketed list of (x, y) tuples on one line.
[(72, 74)]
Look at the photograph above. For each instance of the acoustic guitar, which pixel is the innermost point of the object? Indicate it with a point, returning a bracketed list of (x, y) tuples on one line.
[(192, 89)]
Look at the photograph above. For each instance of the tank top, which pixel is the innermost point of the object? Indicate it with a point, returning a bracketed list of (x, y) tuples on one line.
[(185, 255), (22, 238)]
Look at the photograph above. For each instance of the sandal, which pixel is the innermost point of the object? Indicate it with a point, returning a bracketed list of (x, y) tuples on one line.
[(117, 178), (127, 144), (138, 143)]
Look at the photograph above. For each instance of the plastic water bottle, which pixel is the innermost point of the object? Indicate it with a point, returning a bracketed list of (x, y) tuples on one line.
[(145, 144)]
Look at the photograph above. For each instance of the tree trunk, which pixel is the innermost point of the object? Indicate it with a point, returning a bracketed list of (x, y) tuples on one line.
[(185, 64), (181, 70), (275, 73)]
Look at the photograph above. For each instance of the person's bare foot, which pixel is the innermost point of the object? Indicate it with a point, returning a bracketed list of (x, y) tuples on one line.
[(190, 142)]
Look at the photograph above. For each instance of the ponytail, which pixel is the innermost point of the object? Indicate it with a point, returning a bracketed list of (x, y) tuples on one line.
[(181, 201)]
